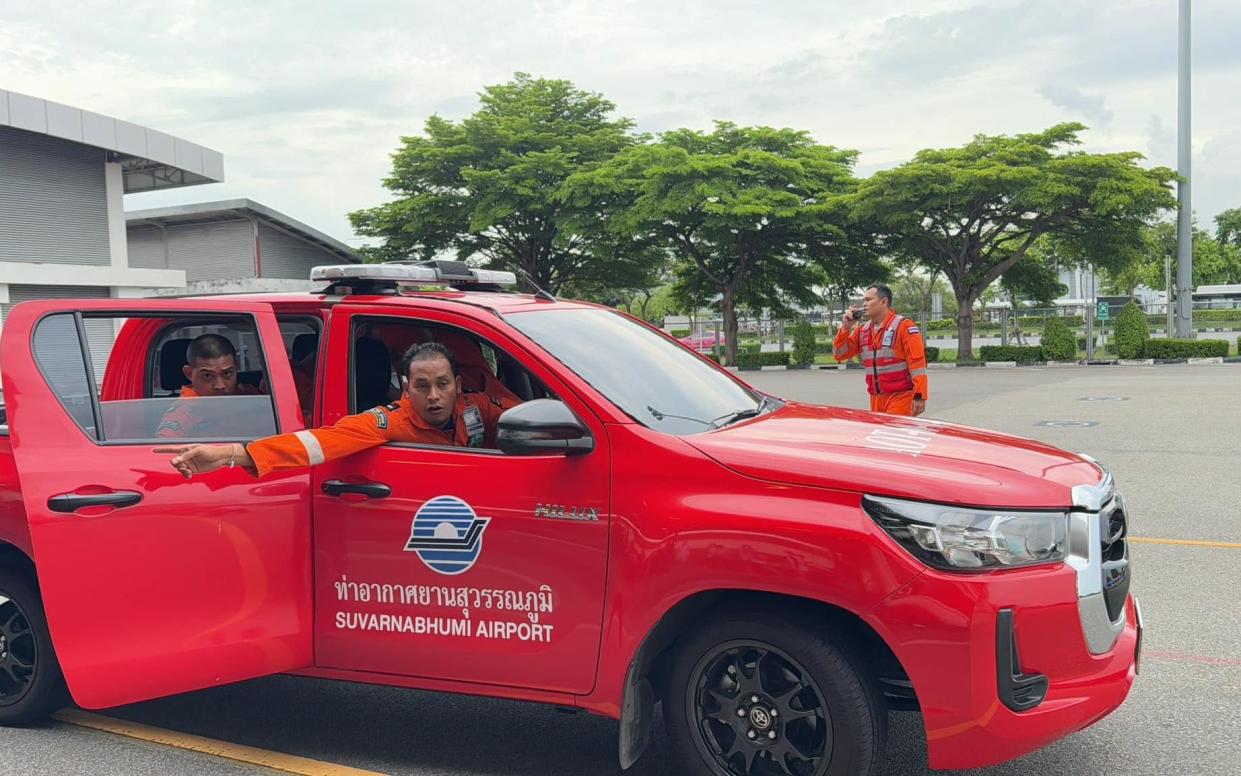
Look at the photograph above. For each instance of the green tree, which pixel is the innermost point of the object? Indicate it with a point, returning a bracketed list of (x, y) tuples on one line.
[(974, 212), (1036, 279), (742, 204), (1228, 227), (486, 188), (1215, 261)]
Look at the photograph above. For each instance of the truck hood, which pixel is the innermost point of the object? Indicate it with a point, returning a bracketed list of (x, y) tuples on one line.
[(890, 455)]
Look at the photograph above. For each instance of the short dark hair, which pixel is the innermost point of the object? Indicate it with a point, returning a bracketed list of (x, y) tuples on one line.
[(427, 351), (209, 346), (882, 291)]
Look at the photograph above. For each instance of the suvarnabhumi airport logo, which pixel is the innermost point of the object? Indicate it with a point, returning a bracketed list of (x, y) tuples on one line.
[(447, 535)]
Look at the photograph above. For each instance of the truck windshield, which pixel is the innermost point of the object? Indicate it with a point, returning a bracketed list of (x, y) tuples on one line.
[(657, 382)]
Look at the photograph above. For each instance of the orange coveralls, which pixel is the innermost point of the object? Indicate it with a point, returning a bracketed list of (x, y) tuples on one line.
[(474, 425), (907, 346)]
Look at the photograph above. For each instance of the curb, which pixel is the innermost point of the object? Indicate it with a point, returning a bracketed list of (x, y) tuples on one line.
[(1011, 364)]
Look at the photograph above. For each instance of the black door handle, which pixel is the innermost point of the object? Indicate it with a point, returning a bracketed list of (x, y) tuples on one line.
[(368, 489), (72, 502)]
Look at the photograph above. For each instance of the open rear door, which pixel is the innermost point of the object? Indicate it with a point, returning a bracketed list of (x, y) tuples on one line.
[(154, 585)]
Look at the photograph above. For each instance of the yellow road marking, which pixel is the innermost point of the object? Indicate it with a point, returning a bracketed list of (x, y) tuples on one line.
[(246, 754), (1187, 543)]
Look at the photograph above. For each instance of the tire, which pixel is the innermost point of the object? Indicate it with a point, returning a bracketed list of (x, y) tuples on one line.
[(31, 684), (812, 712)]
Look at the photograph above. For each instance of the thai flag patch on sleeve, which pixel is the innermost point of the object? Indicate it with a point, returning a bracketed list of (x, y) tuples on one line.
[(913, 329)]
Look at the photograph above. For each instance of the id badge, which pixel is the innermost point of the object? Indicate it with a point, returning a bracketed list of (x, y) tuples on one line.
[(474, 426)]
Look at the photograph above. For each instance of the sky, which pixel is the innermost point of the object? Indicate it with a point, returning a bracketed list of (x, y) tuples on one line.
[(307, 100)]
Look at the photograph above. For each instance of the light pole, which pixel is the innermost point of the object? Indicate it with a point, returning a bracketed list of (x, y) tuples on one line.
[(1184, 216)]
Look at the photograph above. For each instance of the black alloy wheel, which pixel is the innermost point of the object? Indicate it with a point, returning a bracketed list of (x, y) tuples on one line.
[(18, 652), (31, 684), (759, 712), (773, 692)]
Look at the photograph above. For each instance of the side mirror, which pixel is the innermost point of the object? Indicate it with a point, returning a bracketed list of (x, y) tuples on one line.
[(542, 427)]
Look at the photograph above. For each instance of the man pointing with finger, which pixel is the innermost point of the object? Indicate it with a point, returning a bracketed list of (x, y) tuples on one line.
[(892, 352), (434, 411)]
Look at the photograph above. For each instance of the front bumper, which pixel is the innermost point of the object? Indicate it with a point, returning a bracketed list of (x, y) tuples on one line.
[(944, 631)]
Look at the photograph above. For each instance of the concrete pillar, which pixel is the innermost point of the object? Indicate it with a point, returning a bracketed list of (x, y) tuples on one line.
[(114, 193)]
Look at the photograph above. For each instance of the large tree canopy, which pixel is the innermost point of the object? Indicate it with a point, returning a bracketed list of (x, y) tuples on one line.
[(487, 187), (975, 211), (749, 207)]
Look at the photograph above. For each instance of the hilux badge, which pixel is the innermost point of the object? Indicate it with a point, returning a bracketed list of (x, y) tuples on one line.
[(561, 512)]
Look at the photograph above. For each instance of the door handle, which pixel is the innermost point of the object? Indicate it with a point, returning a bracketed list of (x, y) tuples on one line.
[(368, 489), (72, 502)]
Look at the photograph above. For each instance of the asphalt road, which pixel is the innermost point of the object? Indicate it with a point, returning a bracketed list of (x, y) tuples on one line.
[(1172, 436)]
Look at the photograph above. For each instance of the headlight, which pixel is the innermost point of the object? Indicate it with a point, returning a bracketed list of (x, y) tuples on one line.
[(959, 538)]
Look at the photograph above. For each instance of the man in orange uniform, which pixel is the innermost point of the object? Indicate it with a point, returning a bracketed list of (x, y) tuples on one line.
[(892, 352), (211, 368), (433, 411)]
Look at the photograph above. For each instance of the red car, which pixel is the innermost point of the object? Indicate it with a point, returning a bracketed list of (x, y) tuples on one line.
[(704, 341), (778, 576)]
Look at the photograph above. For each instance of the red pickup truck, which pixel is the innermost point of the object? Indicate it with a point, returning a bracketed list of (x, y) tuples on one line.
[(651, 530)]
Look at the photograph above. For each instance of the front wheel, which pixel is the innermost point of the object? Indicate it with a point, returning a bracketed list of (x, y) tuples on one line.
[(31, 685), (758, 695)]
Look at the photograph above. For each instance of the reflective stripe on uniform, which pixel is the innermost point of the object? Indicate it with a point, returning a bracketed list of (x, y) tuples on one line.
[(867, 354), (916, 372), (899, 366), (314, 451)]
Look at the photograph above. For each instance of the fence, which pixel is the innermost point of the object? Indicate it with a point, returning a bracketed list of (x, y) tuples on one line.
[(993, 326)]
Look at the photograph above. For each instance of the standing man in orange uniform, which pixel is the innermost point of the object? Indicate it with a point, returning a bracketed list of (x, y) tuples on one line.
[(892, 352)]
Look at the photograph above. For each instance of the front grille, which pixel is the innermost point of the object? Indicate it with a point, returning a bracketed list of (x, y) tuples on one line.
[(1115, 556)]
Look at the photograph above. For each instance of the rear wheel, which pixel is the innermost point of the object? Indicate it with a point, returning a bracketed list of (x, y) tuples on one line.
[(31, 685), (755, 694)]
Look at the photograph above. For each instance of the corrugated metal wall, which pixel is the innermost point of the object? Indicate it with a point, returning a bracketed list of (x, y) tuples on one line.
[(100, 333), (286, 256), (220, 251), (146, 247), (53, 205)]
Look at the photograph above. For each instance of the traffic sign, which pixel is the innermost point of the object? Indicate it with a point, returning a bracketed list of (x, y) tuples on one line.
[(1103, 311)]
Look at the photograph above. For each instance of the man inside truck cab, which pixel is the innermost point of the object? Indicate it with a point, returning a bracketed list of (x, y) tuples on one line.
[(211, 368), (434, 411)]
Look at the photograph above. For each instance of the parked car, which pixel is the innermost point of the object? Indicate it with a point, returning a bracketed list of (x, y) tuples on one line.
[(651, 530), (703, 341)]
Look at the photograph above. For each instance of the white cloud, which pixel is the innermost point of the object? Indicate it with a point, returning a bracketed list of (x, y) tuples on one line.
[(308, 99)]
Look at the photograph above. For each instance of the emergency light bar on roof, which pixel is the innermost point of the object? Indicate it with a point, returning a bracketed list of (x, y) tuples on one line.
[(447, 273)]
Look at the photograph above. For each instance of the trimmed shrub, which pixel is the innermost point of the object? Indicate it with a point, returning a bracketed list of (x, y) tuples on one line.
[(679, 333), (1201, 316), (1059, 344), (1022, 354), (1178, 348), (943, 324), (932, 354), (749, 360), (803, 343), (1081, 342), (1132, 331)]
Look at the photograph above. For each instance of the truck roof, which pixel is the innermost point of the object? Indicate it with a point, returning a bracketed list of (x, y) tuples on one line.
[(497, 302)]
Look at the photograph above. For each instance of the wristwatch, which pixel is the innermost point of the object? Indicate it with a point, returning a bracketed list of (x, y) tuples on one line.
[(918, 397)]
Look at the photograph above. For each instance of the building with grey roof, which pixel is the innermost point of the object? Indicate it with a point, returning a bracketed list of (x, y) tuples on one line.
[(64, 231), (63, 175), (229, 246)]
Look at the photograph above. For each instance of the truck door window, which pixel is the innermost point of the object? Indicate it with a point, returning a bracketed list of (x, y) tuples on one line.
[(379, 344), (139, 391)]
